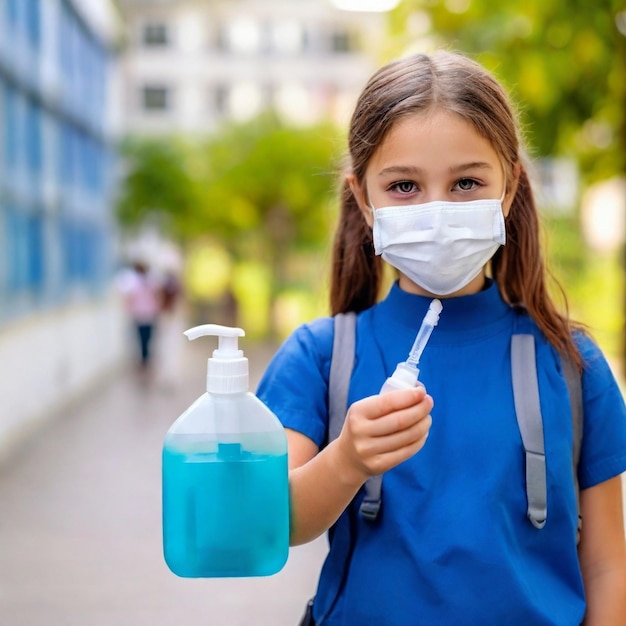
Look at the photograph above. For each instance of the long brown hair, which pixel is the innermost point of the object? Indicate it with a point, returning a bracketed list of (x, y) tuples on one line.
[(452, 82)]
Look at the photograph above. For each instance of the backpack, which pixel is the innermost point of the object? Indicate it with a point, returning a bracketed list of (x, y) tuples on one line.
[(527, 409)]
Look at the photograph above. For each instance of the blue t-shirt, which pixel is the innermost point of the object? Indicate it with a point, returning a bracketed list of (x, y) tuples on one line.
[(452, 544)]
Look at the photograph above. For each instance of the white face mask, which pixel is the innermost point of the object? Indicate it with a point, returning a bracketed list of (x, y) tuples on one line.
[(440, 246)]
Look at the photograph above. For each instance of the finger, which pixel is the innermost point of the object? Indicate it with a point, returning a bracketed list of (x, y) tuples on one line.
[(398, 421), (396, 440), (375, 406), (384, 461)]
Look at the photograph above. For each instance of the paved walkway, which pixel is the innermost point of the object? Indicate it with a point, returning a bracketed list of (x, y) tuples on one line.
[(80, 525)]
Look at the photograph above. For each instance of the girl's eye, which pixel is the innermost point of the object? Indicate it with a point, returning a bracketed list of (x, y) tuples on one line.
[(467, 184), (404, 186)]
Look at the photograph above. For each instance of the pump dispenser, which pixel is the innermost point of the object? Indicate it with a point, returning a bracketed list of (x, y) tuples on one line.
[(406, 374), (225, 481)]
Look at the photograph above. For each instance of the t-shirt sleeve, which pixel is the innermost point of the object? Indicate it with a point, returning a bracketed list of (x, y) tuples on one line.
[(603, 453), (295, 383)]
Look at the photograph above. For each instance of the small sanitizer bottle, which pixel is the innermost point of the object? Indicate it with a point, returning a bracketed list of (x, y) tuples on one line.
[(406, 373), (225, 481)]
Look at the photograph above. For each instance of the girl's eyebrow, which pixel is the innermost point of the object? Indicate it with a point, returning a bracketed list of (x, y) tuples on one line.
[(410, 170), (406, 170), (474, 165)]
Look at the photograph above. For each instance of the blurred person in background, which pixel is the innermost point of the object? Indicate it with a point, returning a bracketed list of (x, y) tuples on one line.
[(142, 299)]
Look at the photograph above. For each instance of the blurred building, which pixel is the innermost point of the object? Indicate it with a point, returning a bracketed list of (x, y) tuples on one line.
[(58, 322), (189, 65)]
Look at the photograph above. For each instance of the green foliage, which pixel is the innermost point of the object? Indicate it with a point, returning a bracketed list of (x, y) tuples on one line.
[(272, 183), (156, 181), (260, 192), (259, 180), (594, 282)]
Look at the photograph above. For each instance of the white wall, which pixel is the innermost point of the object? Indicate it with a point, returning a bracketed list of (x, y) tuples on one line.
[(52, 359)]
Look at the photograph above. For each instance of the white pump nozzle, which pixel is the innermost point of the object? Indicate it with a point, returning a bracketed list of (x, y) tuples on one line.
[(227, 370), (227, 342)]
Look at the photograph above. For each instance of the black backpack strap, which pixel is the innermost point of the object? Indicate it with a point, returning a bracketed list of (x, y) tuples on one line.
[(341, 366)]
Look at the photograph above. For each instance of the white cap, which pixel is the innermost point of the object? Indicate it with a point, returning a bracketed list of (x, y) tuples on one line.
[(227, 369), (432, 315)]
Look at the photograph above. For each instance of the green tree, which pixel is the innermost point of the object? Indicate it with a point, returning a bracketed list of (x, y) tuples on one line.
[(271, 186)]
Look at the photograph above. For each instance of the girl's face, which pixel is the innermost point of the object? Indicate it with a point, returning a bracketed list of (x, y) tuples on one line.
[(436, 156)]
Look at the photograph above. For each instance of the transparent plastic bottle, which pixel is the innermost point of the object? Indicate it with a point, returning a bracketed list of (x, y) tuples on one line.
[(225, 476), (406, 374)]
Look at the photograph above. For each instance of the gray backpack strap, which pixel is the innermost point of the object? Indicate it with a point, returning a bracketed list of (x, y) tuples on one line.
[(575, 391), (370, 505), (341, 366), (530, 422)]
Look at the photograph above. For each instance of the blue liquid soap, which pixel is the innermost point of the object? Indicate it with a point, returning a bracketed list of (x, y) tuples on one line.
[(225, 509), (225, 475)]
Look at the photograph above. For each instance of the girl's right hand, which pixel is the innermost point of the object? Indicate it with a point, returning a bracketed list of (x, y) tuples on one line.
[(382, 431)]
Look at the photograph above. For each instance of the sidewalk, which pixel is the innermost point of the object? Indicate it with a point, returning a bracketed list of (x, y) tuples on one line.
[(80, 524)]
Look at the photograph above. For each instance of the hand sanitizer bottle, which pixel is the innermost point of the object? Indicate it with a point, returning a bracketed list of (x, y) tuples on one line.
[(225, 477)]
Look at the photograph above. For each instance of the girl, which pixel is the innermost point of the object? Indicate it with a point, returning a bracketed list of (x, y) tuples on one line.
[(437, 188)]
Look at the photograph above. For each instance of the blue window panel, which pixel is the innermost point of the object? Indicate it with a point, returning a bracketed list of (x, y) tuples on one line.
[(90, 250), (17, 249), (72, 251), (94, 265), (69, 157), (62, 158), (25, 251), (33, 138), (4, 254), (63, 39), (88, 163), (86, 255), (99, 168), (99, 81), (83, 253), (11, 126), (59, 154), (3, 140), (68, 256), (94, 163), (66, 247), (83, 161), (5, 250), (32, 10), (35, 251), (12, 12), (78, 253), (82, 46), (75, 155)]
